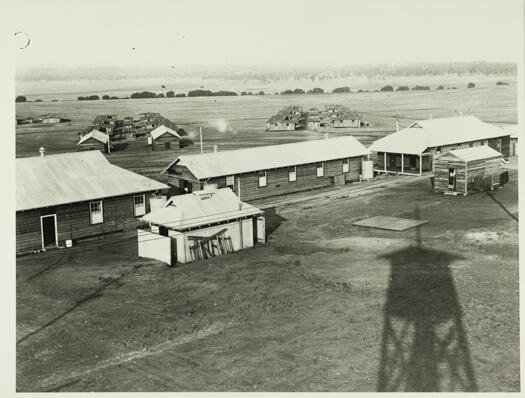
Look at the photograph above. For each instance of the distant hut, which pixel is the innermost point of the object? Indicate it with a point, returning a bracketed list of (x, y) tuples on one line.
[(164, 138), (94, 140), (467, 170), (50, 119)]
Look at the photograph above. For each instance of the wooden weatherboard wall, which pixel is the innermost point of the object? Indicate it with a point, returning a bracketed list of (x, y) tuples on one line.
[(467, 174), (159, 144), (277, 179), (92, 144), (73, 221)]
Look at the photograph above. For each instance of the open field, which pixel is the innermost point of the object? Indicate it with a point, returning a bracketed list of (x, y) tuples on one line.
[(242, 120), (323, 306)]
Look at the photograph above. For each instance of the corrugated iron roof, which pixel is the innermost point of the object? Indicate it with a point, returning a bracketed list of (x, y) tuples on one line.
[(436, 132), (95, 134), (200, 208), (474, 153), (161, 130), (215, 164), (74, 177)]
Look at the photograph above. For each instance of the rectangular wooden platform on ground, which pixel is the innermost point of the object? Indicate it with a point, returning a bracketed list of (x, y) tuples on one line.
[(390, 223)]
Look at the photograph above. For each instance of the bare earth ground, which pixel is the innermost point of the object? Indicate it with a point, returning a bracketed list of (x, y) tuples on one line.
[(323, 306)]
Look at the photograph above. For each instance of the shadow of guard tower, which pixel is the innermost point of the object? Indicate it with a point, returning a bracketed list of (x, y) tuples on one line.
[(424, 346)]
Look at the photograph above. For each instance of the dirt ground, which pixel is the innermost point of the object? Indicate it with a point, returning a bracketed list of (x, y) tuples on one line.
[(323, 306)]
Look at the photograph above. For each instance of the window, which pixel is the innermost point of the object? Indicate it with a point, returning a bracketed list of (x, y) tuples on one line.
[(438, 150), (95, 212), (262, 178), (292, 174), (346, 165), (230, 181), (139, 202), (320, 169)]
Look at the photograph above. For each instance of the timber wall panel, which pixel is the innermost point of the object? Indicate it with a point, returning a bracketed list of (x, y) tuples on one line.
[(73, 221)]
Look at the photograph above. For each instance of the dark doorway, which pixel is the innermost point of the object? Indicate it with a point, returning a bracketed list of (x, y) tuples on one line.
[(187, 186), (254, 230), (173, 251), (392, 161), (452, 179), (413, 161), (167, 145), (48, 231)]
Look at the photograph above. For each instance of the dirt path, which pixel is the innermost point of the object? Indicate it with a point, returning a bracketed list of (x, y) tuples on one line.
[(57, 382), (351, 191)]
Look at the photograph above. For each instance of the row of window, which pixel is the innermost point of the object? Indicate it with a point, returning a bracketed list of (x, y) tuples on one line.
[(96, 209), (292, 173)]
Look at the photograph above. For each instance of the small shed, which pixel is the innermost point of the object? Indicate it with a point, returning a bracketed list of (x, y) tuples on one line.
[(94, 141), (200, 225), (164, 138), (463, 171)]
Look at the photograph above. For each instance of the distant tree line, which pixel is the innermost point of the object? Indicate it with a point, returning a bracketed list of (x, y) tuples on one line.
[(88, 98), (273, 74)]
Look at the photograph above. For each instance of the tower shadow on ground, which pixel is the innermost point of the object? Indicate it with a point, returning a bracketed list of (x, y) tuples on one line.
[(424, 344)]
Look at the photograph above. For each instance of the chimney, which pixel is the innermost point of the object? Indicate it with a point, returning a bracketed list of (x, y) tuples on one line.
[(325, 136), (397, 125), (430, 117), (460, 113), (42, 151), (215, 148)]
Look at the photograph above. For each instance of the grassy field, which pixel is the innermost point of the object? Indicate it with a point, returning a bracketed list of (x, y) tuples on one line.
[(235, 122), (323, 306)]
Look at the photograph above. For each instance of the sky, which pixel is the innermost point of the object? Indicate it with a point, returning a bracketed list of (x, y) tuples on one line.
[(286, 32)]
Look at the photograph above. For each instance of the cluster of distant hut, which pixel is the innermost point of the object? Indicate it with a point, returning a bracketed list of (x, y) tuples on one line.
[(332, 116), (44, 119), (202, 211), (109, 132)]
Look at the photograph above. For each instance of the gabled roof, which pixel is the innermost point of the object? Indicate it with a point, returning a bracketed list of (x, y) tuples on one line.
[(95, 134), (471, 154), (200, 208), (161, 130), (215, 164), (74, 177), (432, 133)]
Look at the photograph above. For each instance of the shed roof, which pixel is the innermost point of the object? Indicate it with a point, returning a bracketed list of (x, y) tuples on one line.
[(471, 154), (215, 164), (161, 130), (432, 133), (74, 177), (200, 208), (95, 134)]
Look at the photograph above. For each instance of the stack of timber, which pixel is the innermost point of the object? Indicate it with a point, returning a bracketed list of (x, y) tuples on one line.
[(211, 246)]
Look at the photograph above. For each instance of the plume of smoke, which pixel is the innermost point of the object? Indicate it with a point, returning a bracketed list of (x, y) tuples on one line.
[(220, 125)]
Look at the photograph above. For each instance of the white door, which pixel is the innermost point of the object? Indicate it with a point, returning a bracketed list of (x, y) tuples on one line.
[(261, 230)]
